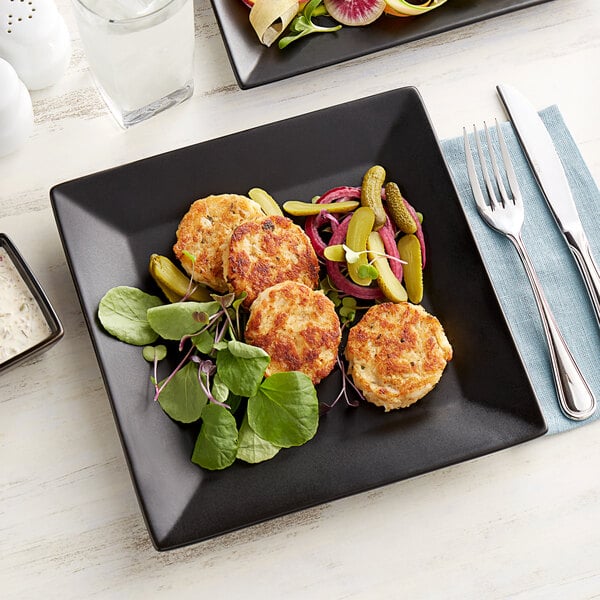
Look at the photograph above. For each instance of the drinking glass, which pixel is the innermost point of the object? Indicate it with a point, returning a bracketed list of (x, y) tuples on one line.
[(140, 52)]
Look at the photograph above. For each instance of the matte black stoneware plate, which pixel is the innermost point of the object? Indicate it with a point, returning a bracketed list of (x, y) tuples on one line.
[(111, 222), (255, 64)]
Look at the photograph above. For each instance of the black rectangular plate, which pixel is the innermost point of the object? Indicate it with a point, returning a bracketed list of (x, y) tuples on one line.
[(110, 223), (254, 64)]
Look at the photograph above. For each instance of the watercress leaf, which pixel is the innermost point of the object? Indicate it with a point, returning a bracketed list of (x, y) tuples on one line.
[(217, 443), (241, 367), (222, 345), (204, 342), (182, 398), (285, 409), (234, 401), (152, 353), (122, 312), (252, 448), (242, 350), (219, 390), (174, 321)]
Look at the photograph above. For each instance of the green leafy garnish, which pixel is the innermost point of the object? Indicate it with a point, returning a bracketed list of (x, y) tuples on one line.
[(152, 353), (303, 24), (214, 375), (183, 399), (368, 271), (180, 319), (252, 448), (123, 313), (217, 443), (285, 409), (241, 367)]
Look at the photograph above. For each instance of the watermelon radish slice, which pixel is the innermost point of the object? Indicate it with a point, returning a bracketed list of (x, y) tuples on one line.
[(355, 12)]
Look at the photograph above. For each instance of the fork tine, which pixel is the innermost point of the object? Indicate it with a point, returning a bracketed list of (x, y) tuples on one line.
[(473, 178), (498, 177), (485, 173), (510, 172)]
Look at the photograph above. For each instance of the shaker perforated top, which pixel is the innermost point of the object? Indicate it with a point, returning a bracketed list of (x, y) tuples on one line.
[(34, 40)]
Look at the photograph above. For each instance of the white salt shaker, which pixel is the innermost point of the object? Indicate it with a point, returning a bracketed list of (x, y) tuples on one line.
[(35, 40), (16, 113)]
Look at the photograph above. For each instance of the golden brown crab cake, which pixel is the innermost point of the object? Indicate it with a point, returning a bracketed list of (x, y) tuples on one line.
[(265, 252), (205, 231), (396, 354), (298, 327)]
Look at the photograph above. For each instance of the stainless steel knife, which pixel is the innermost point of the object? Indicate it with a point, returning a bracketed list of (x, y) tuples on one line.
[(549, 172)]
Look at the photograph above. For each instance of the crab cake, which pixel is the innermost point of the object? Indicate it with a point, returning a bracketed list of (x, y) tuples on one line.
[(267, 251), (396, 354), (297, 327), (205, 231)]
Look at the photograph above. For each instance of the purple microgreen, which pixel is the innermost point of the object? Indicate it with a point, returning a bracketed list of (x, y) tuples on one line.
[(158, 389), (346, 383), (206, 369)]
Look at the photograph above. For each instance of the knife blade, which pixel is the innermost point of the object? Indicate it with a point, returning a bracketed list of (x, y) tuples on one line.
[(552, 180)]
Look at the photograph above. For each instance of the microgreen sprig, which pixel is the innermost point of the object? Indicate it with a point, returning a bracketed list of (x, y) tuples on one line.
[(303, 23)]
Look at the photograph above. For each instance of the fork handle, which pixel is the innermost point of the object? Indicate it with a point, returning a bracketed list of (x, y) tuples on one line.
[(580, 248), (575, 397)]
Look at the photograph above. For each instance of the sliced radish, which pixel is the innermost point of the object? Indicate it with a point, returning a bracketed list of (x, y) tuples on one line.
[(355, 12)]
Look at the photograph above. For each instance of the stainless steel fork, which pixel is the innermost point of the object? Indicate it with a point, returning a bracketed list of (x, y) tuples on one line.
[(506, 216)]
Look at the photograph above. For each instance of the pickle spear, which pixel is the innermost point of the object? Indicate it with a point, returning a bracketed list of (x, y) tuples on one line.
[(308, 209), (409, 249), (265, 201), (370, 194), (173, 283), (359, 228), (398, 211), (389, 284)]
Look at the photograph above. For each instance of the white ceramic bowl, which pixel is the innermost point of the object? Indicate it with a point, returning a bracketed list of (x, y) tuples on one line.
[(34, 40), (16, 113)]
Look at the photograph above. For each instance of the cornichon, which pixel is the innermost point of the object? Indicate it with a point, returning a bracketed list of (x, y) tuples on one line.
[(265, 201), (173, 283), (397, 209), (359, 228), (370, 194), (410, 251), (389, 284), (307, 209), (335, 253)]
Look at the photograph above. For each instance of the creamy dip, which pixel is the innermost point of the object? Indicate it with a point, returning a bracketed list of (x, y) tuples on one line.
[(22, 322)]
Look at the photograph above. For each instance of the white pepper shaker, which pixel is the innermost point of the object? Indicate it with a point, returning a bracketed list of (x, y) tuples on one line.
[(16, 113), (35, 40)]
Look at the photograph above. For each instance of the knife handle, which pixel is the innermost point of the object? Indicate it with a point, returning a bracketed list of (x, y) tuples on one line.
[(580, 248), (575, 397)]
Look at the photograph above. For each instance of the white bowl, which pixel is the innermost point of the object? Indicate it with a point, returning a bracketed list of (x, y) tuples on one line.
[(34, 40)]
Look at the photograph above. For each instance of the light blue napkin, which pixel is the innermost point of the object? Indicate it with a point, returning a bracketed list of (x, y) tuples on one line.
[(552, 259)]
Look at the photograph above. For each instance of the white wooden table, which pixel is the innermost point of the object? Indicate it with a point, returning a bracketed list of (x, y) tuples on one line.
[(521, 523)]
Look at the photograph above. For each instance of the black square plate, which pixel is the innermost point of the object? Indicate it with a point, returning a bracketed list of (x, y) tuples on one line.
[(255, 64), (111, 222)]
